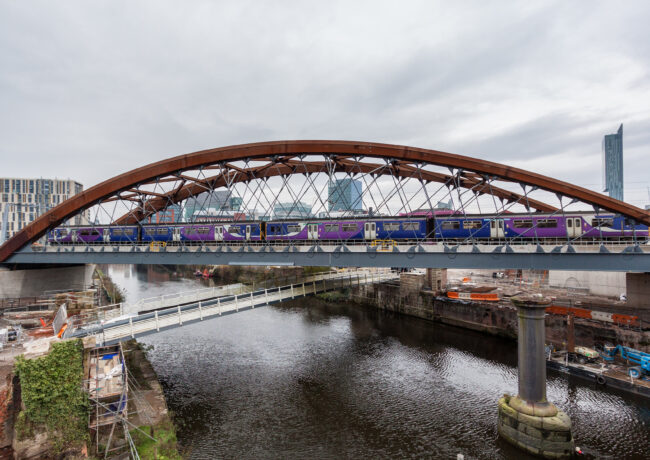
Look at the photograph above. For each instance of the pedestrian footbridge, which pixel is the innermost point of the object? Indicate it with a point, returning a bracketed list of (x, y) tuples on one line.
[(212, 303)]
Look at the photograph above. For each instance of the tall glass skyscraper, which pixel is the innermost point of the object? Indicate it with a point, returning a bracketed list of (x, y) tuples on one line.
[(613, 164), (345, 195)]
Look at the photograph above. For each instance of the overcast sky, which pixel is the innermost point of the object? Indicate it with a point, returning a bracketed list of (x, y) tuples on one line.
[(89, 90)]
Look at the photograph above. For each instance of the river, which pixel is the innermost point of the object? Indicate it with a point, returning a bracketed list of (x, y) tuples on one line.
[(316, 380)]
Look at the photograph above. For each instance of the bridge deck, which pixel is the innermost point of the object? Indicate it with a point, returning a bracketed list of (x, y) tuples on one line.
[(138, 326), (609, 256)]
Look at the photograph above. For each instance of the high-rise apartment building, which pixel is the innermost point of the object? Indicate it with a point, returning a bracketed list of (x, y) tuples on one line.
[(23, 200), (613, 164), (345, 195)]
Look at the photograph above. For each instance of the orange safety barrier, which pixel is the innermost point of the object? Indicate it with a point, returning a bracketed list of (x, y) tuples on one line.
[(473, 296), (592, 314)]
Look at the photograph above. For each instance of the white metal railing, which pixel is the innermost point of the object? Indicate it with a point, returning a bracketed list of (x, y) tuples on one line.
[(167, 300), (303, 245), (177, 316)]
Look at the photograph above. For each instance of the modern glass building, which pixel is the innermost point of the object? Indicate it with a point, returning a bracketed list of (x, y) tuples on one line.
[(345, 195), (217, 200), (613, 164), (292, 211), (235, 203)]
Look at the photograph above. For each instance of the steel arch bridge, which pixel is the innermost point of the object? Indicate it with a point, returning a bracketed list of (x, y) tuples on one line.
[(475, 213)]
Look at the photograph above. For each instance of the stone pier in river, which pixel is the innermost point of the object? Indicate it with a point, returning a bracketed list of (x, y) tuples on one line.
[(528, 420)]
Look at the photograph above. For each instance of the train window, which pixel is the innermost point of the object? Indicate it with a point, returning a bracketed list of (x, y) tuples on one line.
[(411, 225), (472, 224), (331, 227), (602, 222), (449, 225), (350, 227), (128, 231), (391, 227), (63, 232), (162, 231), (523, 223), (273, 229), (293, 228), (87, 232), (233, 229), (203, 230), (118, 232), (150, 231), (547, 223)]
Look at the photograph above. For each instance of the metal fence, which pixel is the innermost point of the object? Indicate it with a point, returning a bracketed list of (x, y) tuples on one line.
[(198, 311)]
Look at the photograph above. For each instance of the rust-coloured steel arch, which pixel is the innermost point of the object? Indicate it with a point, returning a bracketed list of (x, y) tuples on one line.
[(195, 160), (288, 167)]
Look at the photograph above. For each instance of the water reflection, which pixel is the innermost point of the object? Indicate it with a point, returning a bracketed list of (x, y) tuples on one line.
[(310, 379)]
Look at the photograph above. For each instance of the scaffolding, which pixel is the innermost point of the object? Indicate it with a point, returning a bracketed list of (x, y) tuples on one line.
[(107, 385)]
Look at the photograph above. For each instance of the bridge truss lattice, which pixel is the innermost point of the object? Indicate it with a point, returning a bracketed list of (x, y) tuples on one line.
[(318, 181)]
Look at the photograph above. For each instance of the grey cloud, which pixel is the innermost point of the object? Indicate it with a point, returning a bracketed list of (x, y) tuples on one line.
[(90, 90)]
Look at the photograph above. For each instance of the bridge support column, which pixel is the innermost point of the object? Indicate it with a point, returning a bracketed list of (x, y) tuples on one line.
[(637, 287), (528, 420)]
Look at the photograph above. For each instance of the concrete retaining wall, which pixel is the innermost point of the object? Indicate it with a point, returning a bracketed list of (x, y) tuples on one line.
[(32, 283), (608, 284), (638, 290)]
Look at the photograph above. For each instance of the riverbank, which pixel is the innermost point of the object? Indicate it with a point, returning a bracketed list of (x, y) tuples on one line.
[(33, 425), (151, 416), (498, 320)]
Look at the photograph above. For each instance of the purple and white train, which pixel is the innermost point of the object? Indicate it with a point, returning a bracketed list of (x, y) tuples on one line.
[(451, 227)]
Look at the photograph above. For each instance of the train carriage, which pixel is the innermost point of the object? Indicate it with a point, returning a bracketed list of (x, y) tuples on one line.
[(402, 229), (337, 230), (93, 235), (244, 231), (453, 227)]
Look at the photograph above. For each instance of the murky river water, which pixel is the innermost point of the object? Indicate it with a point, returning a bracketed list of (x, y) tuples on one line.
[(315, 380)]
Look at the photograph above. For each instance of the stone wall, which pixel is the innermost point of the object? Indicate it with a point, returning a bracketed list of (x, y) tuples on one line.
[(488, 317)]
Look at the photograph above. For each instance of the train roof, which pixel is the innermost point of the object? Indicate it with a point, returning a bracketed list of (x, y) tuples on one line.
[(351, 218)]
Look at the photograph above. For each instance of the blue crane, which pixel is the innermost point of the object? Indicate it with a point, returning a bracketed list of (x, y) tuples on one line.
[(631, 355)]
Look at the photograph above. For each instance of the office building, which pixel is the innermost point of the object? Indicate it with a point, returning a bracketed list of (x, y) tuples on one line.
[(613, 164), (298, 210), (235, 203), (170, 215), (345, 195), (23, 200), (207, 202)]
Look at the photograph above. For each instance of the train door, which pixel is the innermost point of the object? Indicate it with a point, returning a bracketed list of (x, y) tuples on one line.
[(176, 234), (248, 233), (218, 233), (312, 231), (573, 227), (370, 230), (106, 236), (75, 236), (497, 229)]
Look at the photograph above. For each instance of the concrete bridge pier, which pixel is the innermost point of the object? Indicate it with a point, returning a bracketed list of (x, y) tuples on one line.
[(528, 420)]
